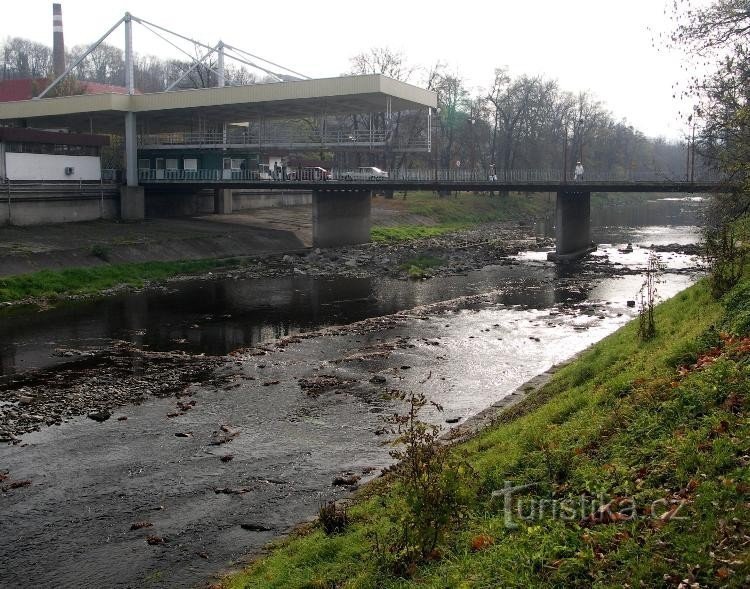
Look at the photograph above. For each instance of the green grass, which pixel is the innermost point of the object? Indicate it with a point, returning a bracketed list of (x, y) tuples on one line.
[(454, 213), (620, 421), (54, 283), (410, 232), (419, 267)]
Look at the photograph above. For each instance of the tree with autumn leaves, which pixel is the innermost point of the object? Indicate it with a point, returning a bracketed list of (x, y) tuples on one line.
[(717, 38)]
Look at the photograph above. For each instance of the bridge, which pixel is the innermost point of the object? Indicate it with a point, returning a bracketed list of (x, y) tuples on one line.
[(177, 141), (341, 204)]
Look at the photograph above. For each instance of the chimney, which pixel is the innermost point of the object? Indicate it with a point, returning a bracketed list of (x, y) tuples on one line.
[(58, 44)]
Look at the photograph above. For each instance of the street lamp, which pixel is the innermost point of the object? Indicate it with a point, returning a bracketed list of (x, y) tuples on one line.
[(472, 143), (566, 124), (566, 128)]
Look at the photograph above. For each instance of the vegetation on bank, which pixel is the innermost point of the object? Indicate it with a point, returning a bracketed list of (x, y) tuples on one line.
[(458, 211), (419, 267), (77, 281), (411, 232), (652, 437)]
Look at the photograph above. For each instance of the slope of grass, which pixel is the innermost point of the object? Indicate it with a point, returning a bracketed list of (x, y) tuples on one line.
[(453, 213), (52, 283), (409, 232), (661, 425)]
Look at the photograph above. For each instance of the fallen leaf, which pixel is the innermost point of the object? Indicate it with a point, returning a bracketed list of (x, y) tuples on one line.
[(141, 525), (481, 542)]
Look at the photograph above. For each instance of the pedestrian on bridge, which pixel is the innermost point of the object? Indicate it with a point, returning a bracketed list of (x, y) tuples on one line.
[(578, 174)]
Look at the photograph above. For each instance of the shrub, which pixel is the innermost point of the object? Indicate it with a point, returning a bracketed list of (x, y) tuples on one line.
[(737, 304), (333, 518), (726, 259), (433, 487), (647, 297), (100, 251)]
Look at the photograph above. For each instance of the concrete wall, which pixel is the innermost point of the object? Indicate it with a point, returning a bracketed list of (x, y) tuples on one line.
[(57, 210), (37, 166), (49, 204), (184, 204), (257, 199), (341, 217)]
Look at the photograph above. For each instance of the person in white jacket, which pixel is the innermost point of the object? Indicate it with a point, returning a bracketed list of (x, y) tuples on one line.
[(578, 172)]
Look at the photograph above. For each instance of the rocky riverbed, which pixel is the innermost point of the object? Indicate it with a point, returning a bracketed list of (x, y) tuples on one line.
[(95, 382)]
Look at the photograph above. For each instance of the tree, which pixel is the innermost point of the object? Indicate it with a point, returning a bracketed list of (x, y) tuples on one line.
[(719, 34), (23, 58)]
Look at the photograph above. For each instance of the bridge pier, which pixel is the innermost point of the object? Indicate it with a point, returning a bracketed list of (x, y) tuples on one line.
[(341, 217), (132, 203), (223, 201), (572, 226)]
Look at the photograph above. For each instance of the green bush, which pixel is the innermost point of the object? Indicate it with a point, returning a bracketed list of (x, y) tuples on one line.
[(737, 303)]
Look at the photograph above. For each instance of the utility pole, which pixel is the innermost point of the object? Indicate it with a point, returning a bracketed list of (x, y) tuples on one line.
[(692, 158)]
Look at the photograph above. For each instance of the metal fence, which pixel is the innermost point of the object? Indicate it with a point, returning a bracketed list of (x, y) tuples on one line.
[(443, 176), (282, 138)]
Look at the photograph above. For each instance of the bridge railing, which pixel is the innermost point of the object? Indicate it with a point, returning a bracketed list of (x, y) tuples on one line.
[(282, 138), (443, 176), (253, 138)]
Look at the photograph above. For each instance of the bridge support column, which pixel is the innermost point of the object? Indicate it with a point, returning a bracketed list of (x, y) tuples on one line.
[(341, 217), (223, 201), (131, 195), (132, 203), (572, 226)]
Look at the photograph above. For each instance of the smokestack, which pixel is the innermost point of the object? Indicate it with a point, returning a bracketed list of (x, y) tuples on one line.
[(58, 44)]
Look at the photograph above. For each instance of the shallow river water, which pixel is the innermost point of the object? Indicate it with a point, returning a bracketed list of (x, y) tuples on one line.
[(91, 481)]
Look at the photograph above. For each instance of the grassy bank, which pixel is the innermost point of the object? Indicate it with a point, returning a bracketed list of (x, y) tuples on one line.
[(660, 428), (456, 212), (74, 281)]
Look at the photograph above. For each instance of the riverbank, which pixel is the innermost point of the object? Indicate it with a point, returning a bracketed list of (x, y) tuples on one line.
[(104, 255), (452, 253), (219, 463), (653, 436), (417, 215)]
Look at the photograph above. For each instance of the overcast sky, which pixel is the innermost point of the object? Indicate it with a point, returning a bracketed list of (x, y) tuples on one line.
[(602, 46)]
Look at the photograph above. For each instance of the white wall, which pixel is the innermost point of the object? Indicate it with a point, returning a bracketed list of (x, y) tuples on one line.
[(36, 166)]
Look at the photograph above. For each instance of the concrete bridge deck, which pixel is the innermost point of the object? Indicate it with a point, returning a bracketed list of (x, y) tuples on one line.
[(441, 185), (341, 206)]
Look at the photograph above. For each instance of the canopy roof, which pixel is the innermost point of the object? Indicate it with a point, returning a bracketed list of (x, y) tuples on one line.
[(177, 110)]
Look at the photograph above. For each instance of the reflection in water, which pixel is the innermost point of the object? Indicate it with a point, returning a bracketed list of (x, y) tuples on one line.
[(216, 317), (663, 221), (651, 212)]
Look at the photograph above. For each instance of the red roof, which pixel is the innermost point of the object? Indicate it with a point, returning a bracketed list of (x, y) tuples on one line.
[(24, 89)]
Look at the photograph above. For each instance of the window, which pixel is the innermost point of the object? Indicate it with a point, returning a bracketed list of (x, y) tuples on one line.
[(233, 164), (51, 149), (160, 163), (173, 164), (190, 163), (144, 164)]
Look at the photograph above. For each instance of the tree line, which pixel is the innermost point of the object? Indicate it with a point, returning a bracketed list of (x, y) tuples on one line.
[(515, 122), (521, 122)]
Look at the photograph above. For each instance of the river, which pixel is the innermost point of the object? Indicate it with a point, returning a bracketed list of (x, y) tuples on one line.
[(467, 342)]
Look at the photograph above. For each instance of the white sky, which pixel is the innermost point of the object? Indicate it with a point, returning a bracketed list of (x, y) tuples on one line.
[(603, 46)]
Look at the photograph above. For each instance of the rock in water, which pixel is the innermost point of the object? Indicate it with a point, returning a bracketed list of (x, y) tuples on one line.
[(100, 416)]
